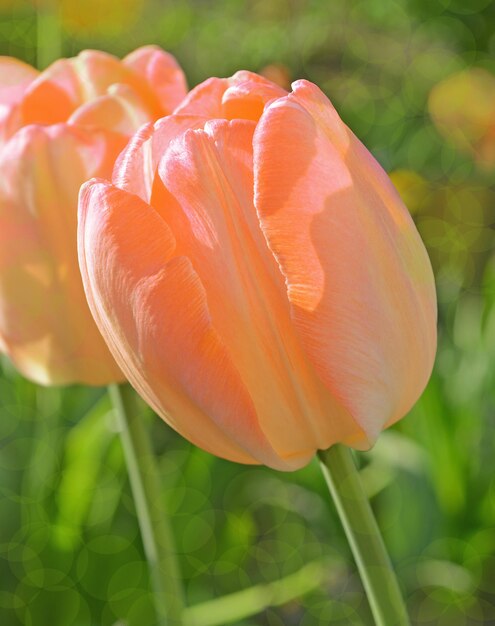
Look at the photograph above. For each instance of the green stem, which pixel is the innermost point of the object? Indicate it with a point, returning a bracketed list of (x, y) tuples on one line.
[(363, 534), (49, 33), (239, 605), (154, 525), (47, 441)]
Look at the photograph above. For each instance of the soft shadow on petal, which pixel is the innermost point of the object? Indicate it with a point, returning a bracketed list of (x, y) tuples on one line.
[(247, 95)]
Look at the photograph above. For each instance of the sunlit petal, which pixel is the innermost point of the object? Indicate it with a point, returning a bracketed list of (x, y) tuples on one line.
[(358, 277)]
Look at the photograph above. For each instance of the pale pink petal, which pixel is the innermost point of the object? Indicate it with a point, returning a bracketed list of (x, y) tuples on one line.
[(45, 322), (15, 76), (10, 122)]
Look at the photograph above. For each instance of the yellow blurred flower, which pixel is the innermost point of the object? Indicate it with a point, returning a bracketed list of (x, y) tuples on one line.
[(413, 189), (454, 220), (90, 17), (462, 107)]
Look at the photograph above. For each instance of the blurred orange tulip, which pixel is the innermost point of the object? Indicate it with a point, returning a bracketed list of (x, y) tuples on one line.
[(257, 277), (463, 109), (278, 74), (57, 129)]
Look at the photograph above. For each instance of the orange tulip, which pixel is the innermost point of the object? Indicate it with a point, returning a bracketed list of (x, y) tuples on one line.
[(257, 277), (57, 129)]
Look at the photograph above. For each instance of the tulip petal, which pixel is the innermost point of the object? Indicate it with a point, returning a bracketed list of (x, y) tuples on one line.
[(120, 111), (358, 277), (69, 83), (205, 192), (45, 322), (152, 75), (151, 306), (136, 166), (15, 76), (10, 122), (162, 73), (243, 96), (133, 169), (205, 99), (247, 96)]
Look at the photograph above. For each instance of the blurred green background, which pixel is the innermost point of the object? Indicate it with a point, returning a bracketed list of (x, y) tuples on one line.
[(70, 551)]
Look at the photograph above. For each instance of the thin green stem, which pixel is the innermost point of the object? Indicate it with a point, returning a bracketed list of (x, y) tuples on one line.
[(47, 442), (49, 33), (153, 522), (363, 534)]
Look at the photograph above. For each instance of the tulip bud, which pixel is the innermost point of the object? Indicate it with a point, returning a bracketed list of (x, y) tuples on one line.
[(57, 129), (257, 277)]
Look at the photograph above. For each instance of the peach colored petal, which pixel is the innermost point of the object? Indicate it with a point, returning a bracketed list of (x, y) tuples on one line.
[(121, 111), (136, 166), (205, 100), (153, 76), (151, 306), (53, 96), (96, 71), (45, 323), (247, 96), (103, 100), (205, 193), (133, 168), (358, 277), (69, 83), (243, 96), (164, 78)]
